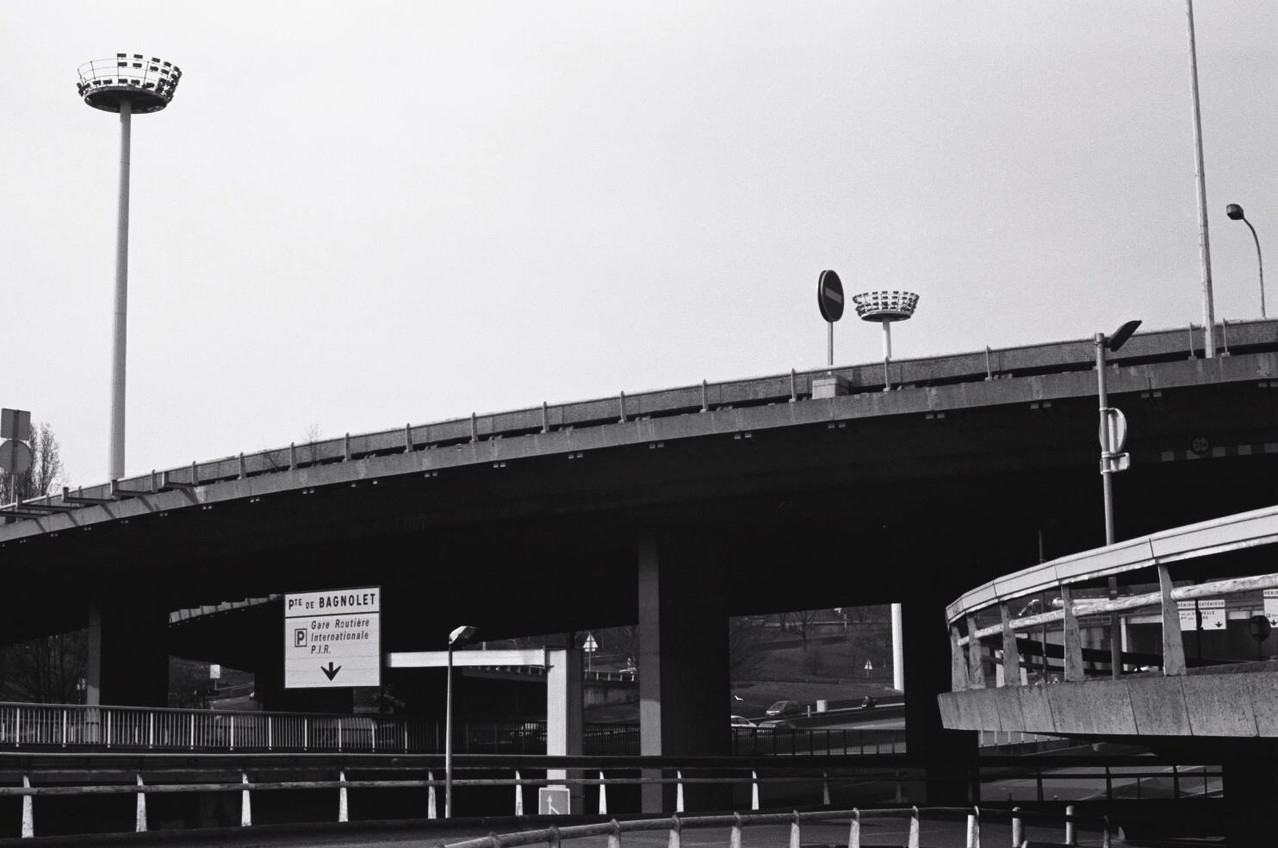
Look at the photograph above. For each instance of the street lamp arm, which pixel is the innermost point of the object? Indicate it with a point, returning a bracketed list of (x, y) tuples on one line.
[(1260, 262)]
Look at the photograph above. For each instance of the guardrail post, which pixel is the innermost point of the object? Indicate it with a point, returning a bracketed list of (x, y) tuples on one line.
[(430, 796), (519, 795), (914, 828), (603, 795), (1073, 639), (1071, 837), (675, 836), (974, 828), (622, 408), (140, 826), (346, 447), (246, 803), (614, 837), (1011, 652), (343, 808), (1173, 645), (1018, 828), (975, 669), (854, 829), (825, 787), (28, 812), (1105, 836), (734, 839), (795, 841), (408, 438), (705, 397), (754, 790), (794, 387), (678, 791), (958, 664)]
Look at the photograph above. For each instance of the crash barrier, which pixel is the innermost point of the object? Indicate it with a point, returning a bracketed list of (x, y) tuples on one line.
[(73, 726), (614, 830), (802, 786)]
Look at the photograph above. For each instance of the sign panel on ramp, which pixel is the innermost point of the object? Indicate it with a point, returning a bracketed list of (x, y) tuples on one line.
[(333, 638)]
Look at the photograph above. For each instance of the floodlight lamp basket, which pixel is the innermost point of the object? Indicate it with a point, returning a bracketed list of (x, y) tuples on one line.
[(885, 306), (146, 83)]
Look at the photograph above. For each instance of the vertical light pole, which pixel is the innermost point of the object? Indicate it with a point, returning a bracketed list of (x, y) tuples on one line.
[(1235, 213), (457, 638), (129, 83), (1113, 433), (1204, 248)]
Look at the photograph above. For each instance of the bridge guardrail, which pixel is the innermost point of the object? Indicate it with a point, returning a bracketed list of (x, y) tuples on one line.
[(78, 726), (140, 786)]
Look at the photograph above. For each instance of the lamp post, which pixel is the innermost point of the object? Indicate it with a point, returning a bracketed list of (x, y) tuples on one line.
[(457, 638), (1113, 435), (1235, 213)]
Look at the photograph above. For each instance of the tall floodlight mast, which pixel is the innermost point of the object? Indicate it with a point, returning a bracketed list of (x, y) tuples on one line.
[(886, 308), (129, 84)]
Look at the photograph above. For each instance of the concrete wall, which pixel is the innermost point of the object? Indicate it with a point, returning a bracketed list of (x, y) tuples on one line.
[(1208, 705)]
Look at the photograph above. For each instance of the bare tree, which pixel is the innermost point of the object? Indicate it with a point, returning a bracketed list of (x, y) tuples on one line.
[(45, 472), (47, 670)]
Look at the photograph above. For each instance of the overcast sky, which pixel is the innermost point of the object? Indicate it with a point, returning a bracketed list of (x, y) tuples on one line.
[(359, 215)]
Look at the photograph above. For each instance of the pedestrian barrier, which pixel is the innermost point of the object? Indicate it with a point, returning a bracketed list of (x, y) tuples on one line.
[(788, 786), (614, 830)]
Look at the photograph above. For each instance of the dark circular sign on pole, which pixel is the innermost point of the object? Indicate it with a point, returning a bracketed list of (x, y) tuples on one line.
[(830, 296)]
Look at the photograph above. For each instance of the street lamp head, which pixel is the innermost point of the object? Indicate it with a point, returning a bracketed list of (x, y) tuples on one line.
[(1121, 335), (461, 635), (1234, 211)]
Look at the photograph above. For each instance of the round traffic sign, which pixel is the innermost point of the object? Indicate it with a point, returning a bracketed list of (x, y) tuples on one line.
[(15, 457), (830, 296)]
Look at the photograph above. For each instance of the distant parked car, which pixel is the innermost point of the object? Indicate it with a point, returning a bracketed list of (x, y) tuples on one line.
[(742, 721), (777, 724), (785, 708)]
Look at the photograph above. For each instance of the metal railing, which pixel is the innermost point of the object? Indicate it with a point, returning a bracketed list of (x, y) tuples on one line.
[(166, 729), (342, 780), (1060, 357), (854, 819)]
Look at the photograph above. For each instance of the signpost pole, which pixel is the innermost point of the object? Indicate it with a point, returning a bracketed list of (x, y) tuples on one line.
[(448, 737), (829, 360)]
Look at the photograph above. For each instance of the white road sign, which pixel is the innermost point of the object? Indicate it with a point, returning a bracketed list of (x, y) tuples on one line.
[(1271, 606), (1211, 610), (333, 638)]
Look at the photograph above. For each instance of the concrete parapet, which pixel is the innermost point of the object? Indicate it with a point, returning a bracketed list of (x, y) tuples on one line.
[(1207, 705)]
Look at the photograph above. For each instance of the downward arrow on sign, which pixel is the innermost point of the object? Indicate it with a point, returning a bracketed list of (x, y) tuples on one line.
[(330, 672)]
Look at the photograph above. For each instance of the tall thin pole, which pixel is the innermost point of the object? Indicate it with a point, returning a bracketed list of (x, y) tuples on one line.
[(898, 649), (1107, 483), (1204, 247), (448, 738), (120, 316), (1259, 262), (830, 344)]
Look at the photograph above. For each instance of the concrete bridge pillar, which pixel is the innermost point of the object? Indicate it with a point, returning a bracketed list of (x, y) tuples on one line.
[(128, 659), (948, 758), (564, 715), (683, 661)]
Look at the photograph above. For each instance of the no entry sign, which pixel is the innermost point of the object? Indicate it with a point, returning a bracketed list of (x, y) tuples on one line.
[(830, 296)]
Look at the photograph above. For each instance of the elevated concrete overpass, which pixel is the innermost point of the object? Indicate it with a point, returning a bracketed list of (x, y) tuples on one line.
[(669, 509)]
